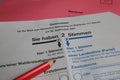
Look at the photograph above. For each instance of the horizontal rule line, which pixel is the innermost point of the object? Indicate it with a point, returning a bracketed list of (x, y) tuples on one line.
[(80, 37), (44, 42)]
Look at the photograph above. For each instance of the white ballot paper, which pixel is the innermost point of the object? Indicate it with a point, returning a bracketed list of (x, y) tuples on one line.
[(26, 44), (93, 52)]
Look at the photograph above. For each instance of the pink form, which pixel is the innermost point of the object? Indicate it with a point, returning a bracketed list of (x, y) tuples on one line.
[(17, 10)]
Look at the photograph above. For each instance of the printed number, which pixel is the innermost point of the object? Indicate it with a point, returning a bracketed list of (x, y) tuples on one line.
[(63, 35)]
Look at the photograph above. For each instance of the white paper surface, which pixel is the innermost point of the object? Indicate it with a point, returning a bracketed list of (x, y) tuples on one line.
[(93, 52), (24, 45)]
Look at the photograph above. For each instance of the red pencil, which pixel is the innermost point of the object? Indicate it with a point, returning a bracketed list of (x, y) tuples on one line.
[(36, 71)]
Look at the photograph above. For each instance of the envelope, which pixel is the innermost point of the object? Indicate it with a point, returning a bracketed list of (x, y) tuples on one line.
[(17, 10)]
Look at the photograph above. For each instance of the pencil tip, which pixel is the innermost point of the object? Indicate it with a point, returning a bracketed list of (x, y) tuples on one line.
[(51, 62), (54, 61)]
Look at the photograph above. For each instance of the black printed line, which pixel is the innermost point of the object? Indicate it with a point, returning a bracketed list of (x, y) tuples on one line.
[(43, 42)]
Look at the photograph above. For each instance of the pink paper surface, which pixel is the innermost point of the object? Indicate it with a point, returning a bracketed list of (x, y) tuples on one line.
[(19, 10)]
